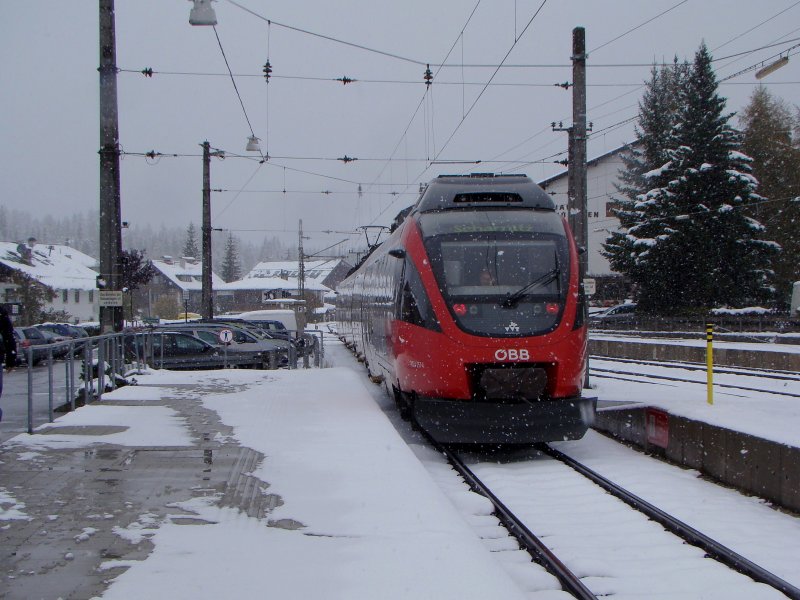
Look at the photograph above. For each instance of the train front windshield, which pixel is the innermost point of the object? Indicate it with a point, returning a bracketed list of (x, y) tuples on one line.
[(501, 272)]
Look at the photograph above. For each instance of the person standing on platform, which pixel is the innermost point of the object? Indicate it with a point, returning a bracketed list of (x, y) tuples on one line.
[(9, 348)]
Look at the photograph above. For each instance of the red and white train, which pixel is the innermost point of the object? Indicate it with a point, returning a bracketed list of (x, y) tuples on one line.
[(472, 314)]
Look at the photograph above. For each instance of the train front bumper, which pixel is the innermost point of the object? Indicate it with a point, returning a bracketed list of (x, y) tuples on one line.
[(470, 422)]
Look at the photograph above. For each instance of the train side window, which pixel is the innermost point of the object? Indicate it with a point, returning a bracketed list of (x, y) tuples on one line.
[(409, 312), (415, 307)]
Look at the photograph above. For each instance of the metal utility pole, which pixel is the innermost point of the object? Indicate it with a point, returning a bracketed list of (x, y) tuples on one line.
[(577, 203), (207, 302), (111, 317), (301, 270)]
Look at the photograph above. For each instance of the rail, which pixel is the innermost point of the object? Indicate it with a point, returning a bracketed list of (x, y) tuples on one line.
[(526, 538), (713, 548)]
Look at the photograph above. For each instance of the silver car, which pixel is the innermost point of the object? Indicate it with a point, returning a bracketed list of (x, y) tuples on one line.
[(243, 340)]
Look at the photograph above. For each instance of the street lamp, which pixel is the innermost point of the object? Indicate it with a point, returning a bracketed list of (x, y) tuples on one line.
[(202, 13), (771, 68), (252, 144)]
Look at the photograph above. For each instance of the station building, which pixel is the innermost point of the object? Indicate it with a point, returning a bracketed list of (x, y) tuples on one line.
[(602, 178)]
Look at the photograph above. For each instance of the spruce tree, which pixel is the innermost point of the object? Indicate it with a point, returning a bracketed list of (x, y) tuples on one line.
[(695, 247), (231, 271), (769, 138), (657, 115), (190, 246)]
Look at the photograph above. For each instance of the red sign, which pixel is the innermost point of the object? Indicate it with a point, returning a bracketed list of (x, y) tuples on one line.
[(657, 425)]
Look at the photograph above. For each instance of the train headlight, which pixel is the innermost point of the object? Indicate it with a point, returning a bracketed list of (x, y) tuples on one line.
[(552, 308)]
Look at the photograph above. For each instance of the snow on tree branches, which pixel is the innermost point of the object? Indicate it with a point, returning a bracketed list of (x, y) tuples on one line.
[(688, 241)]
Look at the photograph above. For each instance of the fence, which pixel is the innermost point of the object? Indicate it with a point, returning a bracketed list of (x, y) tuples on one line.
[(108, 350), (103, 362), (763, 323)]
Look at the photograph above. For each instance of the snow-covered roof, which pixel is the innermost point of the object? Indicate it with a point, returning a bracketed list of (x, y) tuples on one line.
[(186, 273), (315, 269), (271, 283), (57, 266)]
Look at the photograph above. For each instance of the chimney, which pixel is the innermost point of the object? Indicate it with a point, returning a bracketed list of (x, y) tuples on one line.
[(167, 259)]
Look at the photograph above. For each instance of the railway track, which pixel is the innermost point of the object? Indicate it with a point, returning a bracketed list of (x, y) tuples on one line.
[(526, 538), (568, 579), (642, 377), (772, 374)]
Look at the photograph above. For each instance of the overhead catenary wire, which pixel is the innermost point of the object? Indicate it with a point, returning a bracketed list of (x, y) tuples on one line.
[(421, 102), (233, 81), (516, 40), (754, 27), (636, 88), (464, 112), (475, 102), (327, 37), (640, 25)]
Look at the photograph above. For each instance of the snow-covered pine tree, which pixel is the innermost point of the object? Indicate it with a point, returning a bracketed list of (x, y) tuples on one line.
[(657, 114), (701, 249), (769, 138), (231, 271), (190, 245)]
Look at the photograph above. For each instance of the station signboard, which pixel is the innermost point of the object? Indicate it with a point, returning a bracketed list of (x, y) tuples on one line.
[(107, 298)]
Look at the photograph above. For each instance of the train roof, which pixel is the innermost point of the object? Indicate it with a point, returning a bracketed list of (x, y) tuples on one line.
[(483, 190)]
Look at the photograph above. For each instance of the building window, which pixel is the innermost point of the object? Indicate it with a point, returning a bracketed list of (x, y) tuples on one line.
[(65, 296), (77, 296), (91, 296)]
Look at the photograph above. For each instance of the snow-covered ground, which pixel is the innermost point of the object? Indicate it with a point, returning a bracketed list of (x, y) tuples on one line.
[(362, 516), (764, 415)]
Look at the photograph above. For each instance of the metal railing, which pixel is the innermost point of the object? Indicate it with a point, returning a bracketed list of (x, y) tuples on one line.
[(103, 351), (103, 362)]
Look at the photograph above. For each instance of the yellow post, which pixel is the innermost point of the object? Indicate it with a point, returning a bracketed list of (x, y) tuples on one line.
[(710, 363)]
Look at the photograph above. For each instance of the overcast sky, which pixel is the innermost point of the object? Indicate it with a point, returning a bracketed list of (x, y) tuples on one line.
[(49, 98)]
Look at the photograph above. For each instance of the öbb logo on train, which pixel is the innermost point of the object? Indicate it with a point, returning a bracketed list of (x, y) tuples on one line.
[(511, 354)]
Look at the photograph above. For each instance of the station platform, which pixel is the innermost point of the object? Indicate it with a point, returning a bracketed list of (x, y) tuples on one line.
[(238, 483), (746, 438)]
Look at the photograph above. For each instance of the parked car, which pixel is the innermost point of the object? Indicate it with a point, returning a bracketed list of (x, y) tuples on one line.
[(91, 328), (29, 337), (304, 344), (182, 351), (619, 314), (241, 335), (275, 329), (243, 339), (65, 329), (55, 338)]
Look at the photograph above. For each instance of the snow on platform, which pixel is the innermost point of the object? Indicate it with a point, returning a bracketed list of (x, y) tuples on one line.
[(355, 514)]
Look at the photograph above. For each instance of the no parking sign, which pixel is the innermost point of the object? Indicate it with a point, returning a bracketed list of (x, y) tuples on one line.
[(225, 336)]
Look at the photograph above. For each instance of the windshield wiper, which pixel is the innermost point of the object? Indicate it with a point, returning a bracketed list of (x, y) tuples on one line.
[(512, 300)]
